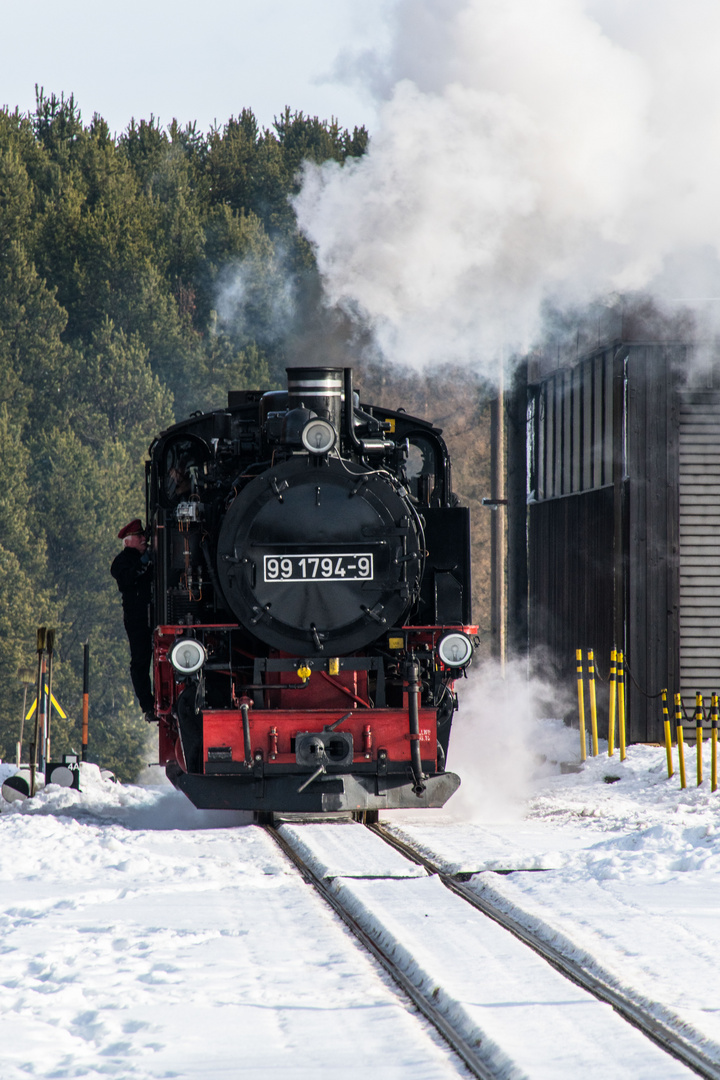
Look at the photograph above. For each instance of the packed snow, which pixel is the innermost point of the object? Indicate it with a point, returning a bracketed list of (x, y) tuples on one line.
[(521, 1015), (621, 872), (144, 938)]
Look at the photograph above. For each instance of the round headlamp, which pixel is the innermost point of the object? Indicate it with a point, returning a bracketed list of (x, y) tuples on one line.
[(455, 650), (187, 656), (318, 436)]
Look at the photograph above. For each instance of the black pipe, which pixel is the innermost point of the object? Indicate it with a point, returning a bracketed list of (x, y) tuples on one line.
[(245, 710), (350, 410), (362, 446), (413, 690), (318, 772), (218, 594), (50, 646), (336, 723)]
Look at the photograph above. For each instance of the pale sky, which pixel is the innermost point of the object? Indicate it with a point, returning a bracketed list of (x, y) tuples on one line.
[(194, 61)]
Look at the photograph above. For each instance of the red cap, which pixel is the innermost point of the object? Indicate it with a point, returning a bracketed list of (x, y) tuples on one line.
[(134, 526)]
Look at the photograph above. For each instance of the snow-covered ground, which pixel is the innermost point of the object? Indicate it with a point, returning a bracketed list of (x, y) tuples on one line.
[(623, 874), (142, 938)]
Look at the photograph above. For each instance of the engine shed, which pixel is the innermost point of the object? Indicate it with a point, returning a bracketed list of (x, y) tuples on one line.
[(614, 507)]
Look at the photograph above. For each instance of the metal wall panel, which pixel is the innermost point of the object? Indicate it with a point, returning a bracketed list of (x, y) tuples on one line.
[(571, 443), (602, 565), (699, 538), (652, 600), (570, 569)]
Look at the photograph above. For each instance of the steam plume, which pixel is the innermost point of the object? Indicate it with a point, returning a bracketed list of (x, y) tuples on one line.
[(499, 740), (526, 150)]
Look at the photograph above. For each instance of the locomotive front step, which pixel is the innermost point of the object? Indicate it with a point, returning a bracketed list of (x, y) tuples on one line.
[(326, 794)]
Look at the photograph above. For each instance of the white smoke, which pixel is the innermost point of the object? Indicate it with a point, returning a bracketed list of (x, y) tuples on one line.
[(501, 741), (526, 150), (255, 298)]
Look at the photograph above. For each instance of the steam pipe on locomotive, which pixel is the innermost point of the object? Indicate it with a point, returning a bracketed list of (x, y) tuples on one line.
[(309, 558)]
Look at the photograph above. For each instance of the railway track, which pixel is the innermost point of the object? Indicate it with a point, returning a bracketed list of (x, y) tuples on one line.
[(475, 1052), (664, 1037), (467, 1053)]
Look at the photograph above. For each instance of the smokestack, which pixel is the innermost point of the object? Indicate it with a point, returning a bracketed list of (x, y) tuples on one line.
[(319, 389)]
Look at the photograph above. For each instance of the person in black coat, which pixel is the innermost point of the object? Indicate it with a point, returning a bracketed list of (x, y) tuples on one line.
[(131, 570)]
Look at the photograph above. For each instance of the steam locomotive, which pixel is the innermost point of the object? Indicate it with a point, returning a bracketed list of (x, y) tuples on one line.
[(311, 602)]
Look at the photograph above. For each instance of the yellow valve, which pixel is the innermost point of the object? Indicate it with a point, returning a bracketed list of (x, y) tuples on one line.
[(333, 666), (304, 673)]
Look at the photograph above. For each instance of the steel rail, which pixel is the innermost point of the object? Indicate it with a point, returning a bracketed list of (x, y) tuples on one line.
[(460, 1046), (659, 1032)]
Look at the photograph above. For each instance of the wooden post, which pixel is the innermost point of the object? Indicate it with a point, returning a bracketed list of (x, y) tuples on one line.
[(27, 678), (86, 686), (41, 632)]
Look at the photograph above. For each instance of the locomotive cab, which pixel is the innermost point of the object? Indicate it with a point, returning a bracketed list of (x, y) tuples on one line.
[(311, 599)]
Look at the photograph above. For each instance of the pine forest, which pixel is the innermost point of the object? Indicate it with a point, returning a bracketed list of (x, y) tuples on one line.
[(142, 276)]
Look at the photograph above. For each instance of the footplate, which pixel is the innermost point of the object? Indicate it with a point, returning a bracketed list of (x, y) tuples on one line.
[(329, 793)]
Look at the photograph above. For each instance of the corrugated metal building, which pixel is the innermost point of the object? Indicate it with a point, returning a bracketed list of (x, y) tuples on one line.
[(614, 510)]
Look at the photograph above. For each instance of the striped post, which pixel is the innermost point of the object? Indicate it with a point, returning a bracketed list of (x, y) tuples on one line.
[(611, 704), (699, 734), (581, 703), (668, 736), (621, 702), (713, 736), (680, 741), (593, 702)]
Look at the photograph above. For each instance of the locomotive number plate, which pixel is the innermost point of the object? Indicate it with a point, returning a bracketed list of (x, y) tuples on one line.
[(355, 567)]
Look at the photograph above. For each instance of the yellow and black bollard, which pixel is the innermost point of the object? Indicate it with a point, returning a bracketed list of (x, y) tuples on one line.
[(593, 702), (680, 741), (581, 703), (668, 736), (611, 704), (713, 744), (699, 734), (621, 703)]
